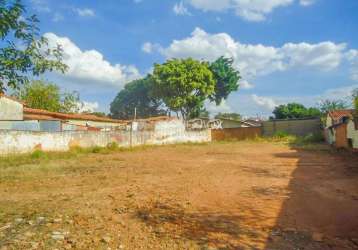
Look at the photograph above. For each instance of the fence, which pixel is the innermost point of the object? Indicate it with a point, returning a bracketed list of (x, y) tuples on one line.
[(236, 133), (27, 141), (299, 127)]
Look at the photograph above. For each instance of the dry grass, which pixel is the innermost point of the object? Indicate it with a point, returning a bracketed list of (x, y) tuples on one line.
[(228, 195)]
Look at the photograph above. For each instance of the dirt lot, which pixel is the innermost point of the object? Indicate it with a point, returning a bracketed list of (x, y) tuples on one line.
[(239, 195)]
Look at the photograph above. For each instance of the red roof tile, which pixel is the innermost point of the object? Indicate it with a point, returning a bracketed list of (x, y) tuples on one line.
[(63, 116), (337, 115)]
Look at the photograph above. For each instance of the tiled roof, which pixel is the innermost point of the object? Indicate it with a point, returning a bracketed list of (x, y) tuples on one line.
[(337, 115), (63, 116)]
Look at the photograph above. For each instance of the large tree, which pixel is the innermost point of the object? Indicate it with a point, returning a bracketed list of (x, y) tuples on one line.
[(23, 51), (295, 110), (226, 78), (183, 85), (43, 95), (136, 95)]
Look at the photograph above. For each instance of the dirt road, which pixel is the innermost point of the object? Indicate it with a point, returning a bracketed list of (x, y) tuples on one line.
[(237, 195)]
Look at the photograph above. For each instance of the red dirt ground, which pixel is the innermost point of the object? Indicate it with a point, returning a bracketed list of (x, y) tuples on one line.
[(235, 195)]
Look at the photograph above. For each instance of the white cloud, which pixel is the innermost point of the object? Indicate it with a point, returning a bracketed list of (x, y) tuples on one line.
[(41, 6), (245, 85), (251, 10), (352, 56), (180, 9), (222, 108), (85, 12), (58, 17), (253, 60), (147, 47), (87, 107), (89, 66), (266, 102), (307, 2)]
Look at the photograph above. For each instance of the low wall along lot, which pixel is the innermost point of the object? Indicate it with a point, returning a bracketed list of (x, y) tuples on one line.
[(235, 133), (25, 141)]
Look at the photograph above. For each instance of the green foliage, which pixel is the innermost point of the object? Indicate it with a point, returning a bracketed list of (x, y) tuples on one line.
[(24, 51), (355, 98), (328, 105), (38, 154), (136, 94), (226, 78), (295, 110), (69, 102), (183, 85), (43, 95), (230, 116)]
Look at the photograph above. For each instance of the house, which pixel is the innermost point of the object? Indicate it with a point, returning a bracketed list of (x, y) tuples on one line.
[(341, 129), (15, 115), (352, 133)]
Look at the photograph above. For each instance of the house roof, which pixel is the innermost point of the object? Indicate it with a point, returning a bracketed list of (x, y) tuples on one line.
[(62, 116), (337, 115)]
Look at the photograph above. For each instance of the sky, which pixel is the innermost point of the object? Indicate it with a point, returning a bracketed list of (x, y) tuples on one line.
[(286, 50)]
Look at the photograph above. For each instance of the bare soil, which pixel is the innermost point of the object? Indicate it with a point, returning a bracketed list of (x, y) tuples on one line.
[(234, 195)]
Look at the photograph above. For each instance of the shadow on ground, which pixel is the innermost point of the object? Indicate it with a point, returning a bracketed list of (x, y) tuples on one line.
[(206, 229), (321, 211)]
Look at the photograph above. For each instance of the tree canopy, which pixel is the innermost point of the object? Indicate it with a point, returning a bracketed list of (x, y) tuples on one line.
[(136, 94), (226, 78), (295, 110), (43, 95), (24, 51), (183, 85)]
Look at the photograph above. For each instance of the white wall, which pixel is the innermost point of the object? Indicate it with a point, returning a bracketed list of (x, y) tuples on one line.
[(26, 141), (10, 110), (352, 133)]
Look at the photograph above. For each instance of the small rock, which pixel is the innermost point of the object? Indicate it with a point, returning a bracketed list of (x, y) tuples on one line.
[(5, 227), (317, 237), (57, 236), (30, 222), (29, 234), (19, 220), (58, 220), (40, 219), (106, 239), (121, 247)]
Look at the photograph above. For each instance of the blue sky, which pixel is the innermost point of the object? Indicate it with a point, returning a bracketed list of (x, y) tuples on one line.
[(286, 50)]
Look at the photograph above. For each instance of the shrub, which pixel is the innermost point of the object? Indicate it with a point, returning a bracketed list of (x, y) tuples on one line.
[(38, 154)]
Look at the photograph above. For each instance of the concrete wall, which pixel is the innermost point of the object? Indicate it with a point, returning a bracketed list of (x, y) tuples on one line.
[(47, 126), (352, 134), (236, 133), (230, 124), (10, 110), (295, 127), (96, 124), (25, 141)]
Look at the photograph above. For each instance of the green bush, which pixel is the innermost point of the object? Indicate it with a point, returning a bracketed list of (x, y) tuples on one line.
[(281, 134), (38, 154)]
